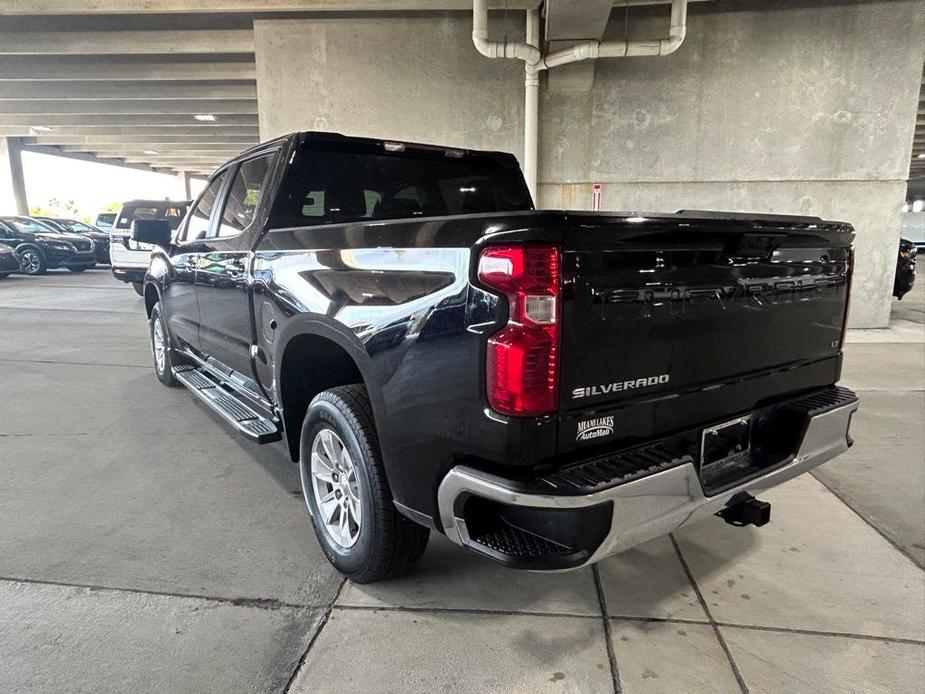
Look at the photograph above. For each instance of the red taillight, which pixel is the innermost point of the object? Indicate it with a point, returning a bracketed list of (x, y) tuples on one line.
[(523, 357)]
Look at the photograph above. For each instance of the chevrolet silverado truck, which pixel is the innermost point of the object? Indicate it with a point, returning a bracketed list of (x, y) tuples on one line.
[(547, 388)]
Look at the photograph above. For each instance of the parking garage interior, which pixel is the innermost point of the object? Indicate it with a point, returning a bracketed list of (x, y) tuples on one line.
[(143, 547)]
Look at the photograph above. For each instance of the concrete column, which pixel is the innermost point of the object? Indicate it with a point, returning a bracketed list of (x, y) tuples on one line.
[(12, 181), (185, 179)]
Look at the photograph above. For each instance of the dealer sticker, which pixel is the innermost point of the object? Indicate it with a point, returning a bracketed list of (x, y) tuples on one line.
[(595, 428)]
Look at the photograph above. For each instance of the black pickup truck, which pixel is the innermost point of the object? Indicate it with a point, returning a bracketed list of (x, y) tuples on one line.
[(546, 388)]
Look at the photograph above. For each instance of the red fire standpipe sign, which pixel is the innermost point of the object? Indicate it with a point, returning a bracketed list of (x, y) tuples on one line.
[(596, 197)]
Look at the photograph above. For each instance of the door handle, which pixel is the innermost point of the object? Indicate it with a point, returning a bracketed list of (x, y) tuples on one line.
[(235, 268)]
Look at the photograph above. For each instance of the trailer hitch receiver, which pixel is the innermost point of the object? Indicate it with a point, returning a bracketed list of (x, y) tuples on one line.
[(744, 509)]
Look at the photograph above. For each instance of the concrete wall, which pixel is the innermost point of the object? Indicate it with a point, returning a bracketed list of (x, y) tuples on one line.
[(416, 78), (794, 107)]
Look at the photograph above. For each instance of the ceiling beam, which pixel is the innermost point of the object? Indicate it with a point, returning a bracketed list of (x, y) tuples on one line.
[(176, 158), (168, 42), (153, 132), (217, 148), (180, 165), (179, 107), (169, 158), (569, 21), (21, 7), (90, 90), (174, 162), (142, 119), (58, 7), (151, 141), (103, 68), (81, 156)]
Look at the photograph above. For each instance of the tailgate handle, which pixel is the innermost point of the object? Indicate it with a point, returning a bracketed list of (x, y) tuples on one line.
[(754, 245)]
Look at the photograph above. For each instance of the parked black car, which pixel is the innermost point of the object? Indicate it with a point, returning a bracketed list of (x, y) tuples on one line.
[(905, 269), (545, 387), (73, 226), (9, 261), (41, 248)]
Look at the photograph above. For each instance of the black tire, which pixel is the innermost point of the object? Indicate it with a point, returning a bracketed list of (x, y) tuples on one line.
[(32, 261), (139, 288), (165, 372), (388, 544)]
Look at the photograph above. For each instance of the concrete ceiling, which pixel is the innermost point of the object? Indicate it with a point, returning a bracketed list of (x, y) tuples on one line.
[(124, 80), (127, 88), (569, 20)]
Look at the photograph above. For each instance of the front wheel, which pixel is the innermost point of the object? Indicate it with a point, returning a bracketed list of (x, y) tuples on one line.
[(32, 262), (160, 348), (348, 496)]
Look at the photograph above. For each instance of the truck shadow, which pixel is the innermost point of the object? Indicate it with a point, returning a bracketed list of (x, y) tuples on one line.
[(273, 458), (647, 582)]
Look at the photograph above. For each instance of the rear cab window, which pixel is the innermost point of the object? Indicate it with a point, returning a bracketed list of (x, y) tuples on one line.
[(337, 182), (172, 212)]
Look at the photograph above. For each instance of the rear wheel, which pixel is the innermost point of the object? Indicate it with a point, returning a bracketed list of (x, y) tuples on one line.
[(139, 288), (348, 496), (32, 262), (160, 348)]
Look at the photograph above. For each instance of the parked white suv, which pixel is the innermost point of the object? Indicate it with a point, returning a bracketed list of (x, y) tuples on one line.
[(129, 258)]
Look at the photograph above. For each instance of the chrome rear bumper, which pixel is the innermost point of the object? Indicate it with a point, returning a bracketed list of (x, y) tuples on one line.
[(648, 507)]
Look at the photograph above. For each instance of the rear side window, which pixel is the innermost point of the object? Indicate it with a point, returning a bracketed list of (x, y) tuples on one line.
[(327, 186), (172, 213), (198, 225), (245, 192)]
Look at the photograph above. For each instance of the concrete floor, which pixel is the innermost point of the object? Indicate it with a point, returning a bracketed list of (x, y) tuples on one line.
[(144, 548)]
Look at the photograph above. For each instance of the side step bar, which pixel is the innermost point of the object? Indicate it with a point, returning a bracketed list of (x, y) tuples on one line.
[(230, 408)]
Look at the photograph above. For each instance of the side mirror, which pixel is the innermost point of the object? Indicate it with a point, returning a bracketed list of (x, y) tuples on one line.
[(157, 232)]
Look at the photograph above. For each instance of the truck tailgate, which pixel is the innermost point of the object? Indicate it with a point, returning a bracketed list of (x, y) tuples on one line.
[(682, 320)]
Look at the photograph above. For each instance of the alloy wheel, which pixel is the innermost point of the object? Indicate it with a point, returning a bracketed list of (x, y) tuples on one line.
[(160, 345), (336, 489), (30, 261)]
